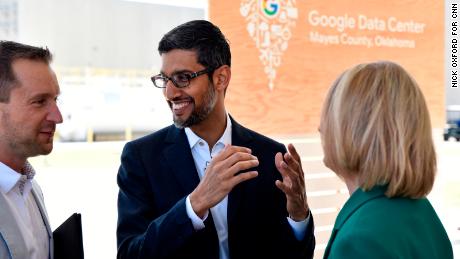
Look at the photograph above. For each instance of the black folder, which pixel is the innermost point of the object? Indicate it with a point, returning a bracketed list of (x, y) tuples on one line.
[(68, 239)]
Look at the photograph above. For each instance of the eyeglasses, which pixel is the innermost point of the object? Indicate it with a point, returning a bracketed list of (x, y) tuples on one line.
[(180, 80)]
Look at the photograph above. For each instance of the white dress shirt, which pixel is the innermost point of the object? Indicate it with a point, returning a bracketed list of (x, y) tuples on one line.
[(202, 157), (16, 189)]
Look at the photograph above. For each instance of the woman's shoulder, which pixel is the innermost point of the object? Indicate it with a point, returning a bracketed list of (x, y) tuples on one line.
[(393, 227), (392, 220), (392, 210)]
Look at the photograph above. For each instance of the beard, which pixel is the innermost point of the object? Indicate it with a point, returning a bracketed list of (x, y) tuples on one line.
[(199, 114), (23, 140)]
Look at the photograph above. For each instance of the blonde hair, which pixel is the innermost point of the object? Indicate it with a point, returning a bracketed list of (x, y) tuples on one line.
[(375, 125)]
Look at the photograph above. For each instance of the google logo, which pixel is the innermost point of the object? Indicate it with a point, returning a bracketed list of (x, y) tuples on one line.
[(270, 8)]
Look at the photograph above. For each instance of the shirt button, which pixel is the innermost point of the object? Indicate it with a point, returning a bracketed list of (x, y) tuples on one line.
[(201, 143)]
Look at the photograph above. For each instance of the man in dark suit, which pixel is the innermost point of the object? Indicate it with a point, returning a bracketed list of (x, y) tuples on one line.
[(206, 187)]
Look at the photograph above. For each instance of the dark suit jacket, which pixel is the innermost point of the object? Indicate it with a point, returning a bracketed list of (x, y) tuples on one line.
[(157, 173), (371, 225)]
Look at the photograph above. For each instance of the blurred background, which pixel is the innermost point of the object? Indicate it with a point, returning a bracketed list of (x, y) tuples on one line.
[(285, 55)]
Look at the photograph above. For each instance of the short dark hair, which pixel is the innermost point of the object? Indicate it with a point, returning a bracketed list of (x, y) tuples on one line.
[(205, 38), (11, 51)]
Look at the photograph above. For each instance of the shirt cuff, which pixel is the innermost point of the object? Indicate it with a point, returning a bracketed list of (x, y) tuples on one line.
[(197, 222), (299, 227)]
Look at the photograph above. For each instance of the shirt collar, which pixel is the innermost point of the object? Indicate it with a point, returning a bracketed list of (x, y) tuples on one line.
[(226, 138), (9, 178)]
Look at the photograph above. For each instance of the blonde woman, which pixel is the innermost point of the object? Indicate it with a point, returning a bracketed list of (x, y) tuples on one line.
[(376, 136)]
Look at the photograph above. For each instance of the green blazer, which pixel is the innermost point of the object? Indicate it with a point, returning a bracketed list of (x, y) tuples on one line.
[(371, 225)]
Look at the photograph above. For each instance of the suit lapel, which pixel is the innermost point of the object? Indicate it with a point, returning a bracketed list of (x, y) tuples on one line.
[(329, 243), (41, 206), (356, 200), (37, 194), (179, 158), (9, 228), (240, 137)]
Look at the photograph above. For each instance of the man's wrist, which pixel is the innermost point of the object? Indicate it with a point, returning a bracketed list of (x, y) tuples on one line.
[(198, 223), (299, 227), (199, 210), (300, 218)]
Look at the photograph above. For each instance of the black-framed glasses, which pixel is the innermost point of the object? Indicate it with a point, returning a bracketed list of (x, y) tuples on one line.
[(180, 79)]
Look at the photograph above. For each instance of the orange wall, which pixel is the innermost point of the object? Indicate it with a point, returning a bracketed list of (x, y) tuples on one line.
[(306, 68)]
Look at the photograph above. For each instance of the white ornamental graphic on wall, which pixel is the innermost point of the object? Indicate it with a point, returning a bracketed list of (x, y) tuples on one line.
[(269, 23)]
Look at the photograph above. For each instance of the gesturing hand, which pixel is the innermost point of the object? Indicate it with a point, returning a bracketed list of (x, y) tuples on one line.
[(293, 184), (221, 176)]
